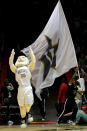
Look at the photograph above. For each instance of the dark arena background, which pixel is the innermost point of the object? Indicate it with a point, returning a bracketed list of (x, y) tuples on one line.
[(20, 25)]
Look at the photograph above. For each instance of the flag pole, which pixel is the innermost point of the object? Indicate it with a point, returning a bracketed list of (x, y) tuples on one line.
[(76, 71)]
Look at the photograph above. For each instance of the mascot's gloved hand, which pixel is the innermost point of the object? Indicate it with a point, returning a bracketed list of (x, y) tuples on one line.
[(11, 59)]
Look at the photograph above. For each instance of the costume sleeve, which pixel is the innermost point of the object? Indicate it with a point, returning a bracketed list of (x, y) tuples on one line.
[(33, 60), (11, 64)]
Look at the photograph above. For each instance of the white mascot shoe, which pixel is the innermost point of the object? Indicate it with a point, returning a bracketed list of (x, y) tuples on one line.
[(30, 118), (23, 124)]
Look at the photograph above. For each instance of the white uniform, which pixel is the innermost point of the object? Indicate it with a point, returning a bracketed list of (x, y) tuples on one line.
[(82, 83), (25, 93)]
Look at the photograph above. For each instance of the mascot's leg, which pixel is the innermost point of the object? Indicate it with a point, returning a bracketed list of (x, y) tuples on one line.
[(29, 116), (23, 116)]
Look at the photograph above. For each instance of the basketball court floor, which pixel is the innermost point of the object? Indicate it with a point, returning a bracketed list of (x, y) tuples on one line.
[(44, 127)]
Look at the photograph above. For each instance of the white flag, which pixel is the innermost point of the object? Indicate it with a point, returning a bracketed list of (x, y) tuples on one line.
[(54, 51)]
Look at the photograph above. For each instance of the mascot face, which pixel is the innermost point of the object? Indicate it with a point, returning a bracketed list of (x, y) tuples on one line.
[(22, 61)]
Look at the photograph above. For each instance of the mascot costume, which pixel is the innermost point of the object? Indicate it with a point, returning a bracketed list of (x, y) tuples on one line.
[(22, 70)]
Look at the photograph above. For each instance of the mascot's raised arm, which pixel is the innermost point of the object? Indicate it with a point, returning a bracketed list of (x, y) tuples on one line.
[(22, 70), (21, 61)]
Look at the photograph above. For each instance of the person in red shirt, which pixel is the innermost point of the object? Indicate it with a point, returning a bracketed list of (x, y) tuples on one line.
[(62, 93), (61, 98)]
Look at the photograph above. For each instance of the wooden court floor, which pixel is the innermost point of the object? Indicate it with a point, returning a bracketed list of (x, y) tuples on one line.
[(44, 127)]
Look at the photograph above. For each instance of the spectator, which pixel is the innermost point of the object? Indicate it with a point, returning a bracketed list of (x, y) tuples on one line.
[(81, 117), (81, 81), (61, 98), (78, 97), (86, 82), (7, 92), (70, 116), (42, 103), (70, 103)]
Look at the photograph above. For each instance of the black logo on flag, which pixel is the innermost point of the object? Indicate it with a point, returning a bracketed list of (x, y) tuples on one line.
[(49, 57)]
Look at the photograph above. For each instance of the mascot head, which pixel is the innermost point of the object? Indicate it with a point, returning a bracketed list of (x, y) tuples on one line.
[(22, 61)]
